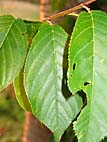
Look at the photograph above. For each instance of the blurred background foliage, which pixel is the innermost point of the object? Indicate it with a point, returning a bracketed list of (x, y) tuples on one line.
[(11, 115), (23, 9)]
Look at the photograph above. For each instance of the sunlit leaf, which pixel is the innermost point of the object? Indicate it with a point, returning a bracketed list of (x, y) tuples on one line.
[(13, 48), (43, 81), (88, 72)]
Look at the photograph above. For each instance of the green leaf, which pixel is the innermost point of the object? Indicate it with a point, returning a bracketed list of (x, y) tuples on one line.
[(20, 92), (13, 48), (43, 81), (88, 71), (32, 28)]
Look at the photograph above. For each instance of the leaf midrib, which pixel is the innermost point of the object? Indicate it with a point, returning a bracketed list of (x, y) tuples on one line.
[(92, 97), (7, 32)]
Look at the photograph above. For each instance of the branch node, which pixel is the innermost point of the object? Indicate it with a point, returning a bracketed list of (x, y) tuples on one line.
[(49, 21), (71, 10), (85, 7)]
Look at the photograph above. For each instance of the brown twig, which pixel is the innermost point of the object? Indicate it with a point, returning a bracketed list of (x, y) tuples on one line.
[(60, 14)]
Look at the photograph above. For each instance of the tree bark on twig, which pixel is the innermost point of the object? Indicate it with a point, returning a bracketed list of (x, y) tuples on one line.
[(34, 131)]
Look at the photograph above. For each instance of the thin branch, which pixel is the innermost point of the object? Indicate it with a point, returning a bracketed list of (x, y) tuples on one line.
[(60, 14)]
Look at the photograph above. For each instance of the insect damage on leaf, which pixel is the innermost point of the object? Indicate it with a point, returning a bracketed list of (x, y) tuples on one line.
[(86, 83), (74, 66)]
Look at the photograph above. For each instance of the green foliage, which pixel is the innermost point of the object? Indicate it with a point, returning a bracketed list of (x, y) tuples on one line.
[(13, 48), (32, 56), (43, 80), (20, 92), (87, 72), (32, 28), (11, 119)]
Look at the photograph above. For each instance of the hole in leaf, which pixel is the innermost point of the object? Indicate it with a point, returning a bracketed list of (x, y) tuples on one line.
[(82, 94), (86, 83), (65, 91), (74, 66), (24, 33), (84, 98)]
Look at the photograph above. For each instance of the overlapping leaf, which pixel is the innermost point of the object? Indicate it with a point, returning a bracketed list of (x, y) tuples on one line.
[(13, 48), (43, 80), (88, 71), (32, 28), (20, 92)]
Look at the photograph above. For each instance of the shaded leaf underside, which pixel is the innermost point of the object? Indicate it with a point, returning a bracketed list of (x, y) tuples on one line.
[(88, 71), (32, 28), (43, 80), (20, 92)]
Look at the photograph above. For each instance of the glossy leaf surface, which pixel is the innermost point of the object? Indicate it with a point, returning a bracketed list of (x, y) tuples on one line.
[(13, 48), (43, 81), (88, 72)]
